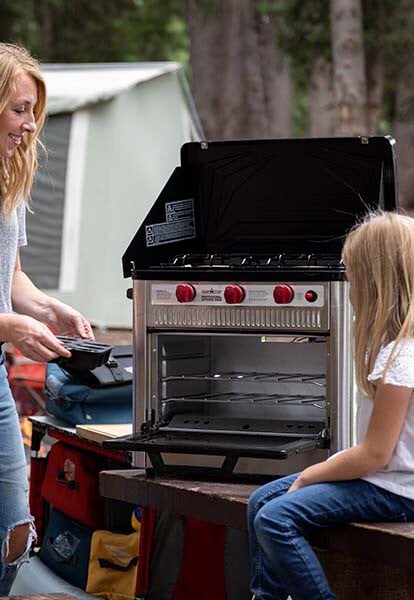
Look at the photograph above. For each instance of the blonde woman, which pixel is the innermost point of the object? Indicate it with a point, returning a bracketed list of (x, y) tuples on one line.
[(374, 480), (25, 312)]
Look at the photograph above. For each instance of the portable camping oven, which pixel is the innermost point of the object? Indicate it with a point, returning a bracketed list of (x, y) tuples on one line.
[(241, 312)]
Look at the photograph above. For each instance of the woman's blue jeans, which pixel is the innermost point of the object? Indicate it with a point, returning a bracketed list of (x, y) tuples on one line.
[(14, 507), (282, 560)]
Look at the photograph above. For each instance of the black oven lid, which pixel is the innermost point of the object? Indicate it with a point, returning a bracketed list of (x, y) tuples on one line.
[(265, 197)]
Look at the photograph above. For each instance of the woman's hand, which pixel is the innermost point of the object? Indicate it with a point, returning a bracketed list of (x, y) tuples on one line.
[(32, 338), (29, 300), (65, 320)]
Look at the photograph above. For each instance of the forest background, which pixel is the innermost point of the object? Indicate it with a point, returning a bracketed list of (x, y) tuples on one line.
[(257, 68)]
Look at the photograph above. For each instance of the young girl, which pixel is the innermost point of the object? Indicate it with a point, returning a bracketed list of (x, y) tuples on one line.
[(374, 480)]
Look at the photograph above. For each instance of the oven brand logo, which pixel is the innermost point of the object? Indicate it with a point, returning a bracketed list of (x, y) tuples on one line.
[(212, 291), (212, 295)]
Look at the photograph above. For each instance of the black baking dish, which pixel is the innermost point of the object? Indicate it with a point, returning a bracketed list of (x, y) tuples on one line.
[(86, 354)]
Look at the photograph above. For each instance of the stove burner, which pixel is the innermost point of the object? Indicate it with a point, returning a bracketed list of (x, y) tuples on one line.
[(256, 261)]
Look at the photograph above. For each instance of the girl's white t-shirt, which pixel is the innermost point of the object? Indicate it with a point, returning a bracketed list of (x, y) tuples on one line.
[(398, 475)]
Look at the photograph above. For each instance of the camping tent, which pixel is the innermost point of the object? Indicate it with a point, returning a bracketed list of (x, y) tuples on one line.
[(113, 137)]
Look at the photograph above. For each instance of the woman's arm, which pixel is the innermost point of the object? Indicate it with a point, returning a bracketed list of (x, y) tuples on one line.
[(29, 330), (375, 451), (27, 299)]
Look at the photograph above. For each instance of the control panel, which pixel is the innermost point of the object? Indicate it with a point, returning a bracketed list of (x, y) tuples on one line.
[(238, 294)]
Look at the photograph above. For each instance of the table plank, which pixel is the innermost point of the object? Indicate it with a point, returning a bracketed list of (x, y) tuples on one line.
[(220, 503)]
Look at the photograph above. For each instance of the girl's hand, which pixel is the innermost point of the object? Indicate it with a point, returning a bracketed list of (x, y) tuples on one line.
[(33, 339), (298, 483)]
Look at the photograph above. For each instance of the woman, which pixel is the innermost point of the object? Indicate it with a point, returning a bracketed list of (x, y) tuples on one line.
[(373, 480), (26, 314)]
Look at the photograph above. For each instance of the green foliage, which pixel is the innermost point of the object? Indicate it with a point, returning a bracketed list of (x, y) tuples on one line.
[(304, 29), (104, 31), (304, 34), (304, 26), (156, 30)]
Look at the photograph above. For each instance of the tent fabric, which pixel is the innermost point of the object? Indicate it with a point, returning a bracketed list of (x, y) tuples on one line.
[(42, 256), (106, 163), (71, 87)]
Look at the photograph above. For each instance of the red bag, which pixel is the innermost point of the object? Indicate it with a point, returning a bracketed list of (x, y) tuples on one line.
[(71, 484), (202, 574), (36, 501), (144, 552)]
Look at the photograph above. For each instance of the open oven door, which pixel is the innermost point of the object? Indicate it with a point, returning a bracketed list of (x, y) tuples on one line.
[(289, 440)]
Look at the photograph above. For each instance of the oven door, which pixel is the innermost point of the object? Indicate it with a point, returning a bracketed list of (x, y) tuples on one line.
[(231, 446), (233, 395)]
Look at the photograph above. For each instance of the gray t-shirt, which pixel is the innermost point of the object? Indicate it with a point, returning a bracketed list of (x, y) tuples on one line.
[(12, 236)]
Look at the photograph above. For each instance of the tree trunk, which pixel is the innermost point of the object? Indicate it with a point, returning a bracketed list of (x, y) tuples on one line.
[(348, 68), (321, 115), (240, 80), (277, 81), (404, 134), (375, 90)]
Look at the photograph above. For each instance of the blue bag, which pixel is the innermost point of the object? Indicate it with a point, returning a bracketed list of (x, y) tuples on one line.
[(103, 395), (65, 548)]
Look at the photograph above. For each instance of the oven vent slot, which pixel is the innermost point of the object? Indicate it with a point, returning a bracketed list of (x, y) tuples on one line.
[(309, 319)]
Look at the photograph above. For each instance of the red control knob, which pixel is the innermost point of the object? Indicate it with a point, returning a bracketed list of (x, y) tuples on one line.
[(185, 292), (311, 296), (283, 294), (233, 294)]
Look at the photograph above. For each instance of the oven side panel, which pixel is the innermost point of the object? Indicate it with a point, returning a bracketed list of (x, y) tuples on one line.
[(341, 381), (141, 383)]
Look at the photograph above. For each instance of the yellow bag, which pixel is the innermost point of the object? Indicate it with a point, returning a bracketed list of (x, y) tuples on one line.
[(113, 560)]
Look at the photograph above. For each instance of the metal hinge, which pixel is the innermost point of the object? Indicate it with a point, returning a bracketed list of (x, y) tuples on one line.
[(324, 439)]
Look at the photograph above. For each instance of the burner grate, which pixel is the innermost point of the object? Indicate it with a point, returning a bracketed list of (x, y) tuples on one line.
[(255, 261)]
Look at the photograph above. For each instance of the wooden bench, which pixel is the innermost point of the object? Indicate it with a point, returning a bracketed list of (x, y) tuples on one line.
[(367, 561)]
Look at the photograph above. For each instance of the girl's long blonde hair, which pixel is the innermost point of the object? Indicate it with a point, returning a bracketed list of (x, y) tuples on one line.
[(379, 258), (17, 173)]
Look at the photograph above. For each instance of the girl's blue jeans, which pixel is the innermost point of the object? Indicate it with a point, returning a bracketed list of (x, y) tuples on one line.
[(14, 507), (282, 561)]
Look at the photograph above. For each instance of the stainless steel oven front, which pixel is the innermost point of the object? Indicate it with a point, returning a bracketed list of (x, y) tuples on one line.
[(255, 387)]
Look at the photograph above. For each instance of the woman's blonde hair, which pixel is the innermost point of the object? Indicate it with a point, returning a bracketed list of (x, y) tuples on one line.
[(379, 258), (17, 173)]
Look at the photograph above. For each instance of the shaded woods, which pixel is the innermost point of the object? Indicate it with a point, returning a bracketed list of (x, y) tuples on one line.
[(258, 68)]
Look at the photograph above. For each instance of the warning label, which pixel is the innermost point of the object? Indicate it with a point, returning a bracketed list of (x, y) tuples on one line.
[(179, 224)]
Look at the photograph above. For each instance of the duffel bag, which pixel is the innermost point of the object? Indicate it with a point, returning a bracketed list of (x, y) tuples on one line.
[(65, 548), (103, 395), (71, 484)]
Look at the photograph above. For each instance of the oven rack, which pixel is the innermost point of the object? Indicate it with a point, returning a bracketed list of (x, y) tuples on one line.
[(317, 379), (226, 397)]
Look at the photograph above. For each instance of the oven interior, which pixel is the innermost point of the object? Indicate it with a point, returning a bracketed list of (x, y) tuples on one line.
[(241, 383), (235, 395)]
